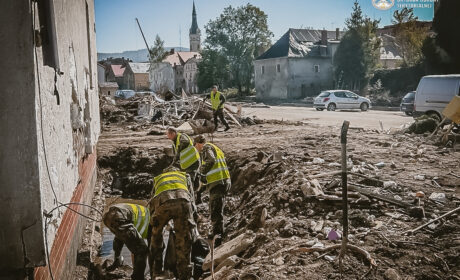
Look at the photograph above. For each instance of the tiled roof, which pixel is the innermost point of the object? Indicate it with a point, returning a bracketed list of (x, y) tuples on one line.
[(298, 43), (180, 58), (141, 67), (117, 70)]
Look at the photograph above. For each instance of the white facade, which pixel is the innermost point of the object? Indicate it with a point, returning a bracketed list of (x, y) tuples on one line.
[(162, 78)]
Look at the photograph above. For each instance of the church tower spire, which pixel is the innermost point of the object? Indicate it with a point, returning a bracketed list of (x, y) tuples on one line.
[(195, 33)]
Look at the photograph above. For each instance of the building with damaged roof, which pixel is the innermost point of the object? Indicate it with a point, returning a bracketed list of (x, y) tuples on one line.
[(298, 65), (136, 76)]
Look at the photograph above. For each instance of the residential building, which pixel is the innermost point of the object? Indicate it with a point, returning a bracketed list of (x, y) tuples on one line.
[(101, 75), (115, 73), (162, 77), (136, 76), (50, 127), (108, 89), (390, 57), (298, 65), (183, 64)]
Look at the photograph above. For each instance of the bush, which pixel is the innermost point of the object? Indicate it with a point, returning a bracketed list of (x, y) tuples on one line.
[(399, 81)]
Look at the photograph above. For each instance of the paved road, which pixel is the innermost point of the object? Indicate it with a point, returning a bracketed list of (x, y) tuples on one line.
[(368, 119)]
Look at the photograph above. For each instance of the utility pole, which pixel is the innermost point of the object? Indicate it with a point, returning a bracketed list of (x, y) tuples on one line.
[(180, 38)]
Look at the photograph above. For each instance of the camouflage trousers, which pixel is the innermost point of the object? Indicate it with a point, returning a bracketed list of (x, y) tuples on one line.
[(216, 207), (119, 221), (180, 211)]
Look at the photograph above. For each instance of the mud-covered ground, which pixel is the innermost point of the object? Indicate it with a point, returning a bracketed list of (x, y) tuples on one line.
[(270, 165)]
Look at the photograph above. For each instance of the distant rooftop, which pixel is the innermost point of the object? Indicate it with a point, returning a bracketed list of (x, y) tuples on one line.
[(140, 67), (117, 70), (180, 58)]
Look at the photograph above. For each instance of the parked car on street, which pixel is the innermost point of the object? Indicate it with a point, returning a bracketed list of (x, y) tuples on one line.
[(340, 99), (407, 103), (124, 93), (434, 93)]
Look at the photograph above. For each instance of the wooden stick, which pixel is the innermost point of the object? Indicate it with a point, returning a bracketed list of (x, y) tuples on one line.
[(432, 221), (343, 141)]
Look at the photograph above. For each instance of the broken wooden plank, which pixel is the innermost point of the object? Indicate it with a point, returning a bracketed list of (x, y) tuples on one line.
[(393, 201), (432, 221)]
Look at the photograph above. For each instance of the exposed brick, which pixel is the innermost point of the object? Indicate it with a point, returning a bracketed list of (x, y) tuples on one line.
[(66, 237)]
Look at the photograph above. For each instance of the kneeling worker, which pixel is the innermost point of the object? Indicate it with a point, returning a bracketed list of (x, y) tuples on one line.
[(172, 199), (217, 181), (129, 223)]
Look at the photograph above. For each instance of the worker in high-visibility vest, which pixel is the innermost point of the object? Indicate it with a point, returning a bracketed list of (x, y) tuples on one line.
[(172, 198), (216, 177), (129, 223), (186, 157), (217, 103)]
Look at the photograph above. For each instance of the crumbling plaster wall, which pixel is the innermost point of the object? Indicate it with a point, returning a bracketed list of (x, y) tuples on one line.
[(71, 128), (49, 121), (302, 74), (271, 84)]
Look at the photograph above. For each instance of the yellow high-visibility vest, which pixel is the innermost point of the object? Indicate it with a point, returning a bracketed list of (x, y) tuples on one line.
[(219, 170), (141, 218), (167, 181), (215, 100), (189, 155)]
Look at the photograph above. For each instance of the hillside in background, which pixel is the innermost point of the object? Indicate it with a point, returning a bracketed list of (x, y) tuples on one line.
[(135, 56)]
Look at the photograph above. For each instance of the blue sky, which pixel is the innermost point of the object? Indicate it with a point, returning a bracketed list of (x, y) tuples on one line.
[(117, 30)]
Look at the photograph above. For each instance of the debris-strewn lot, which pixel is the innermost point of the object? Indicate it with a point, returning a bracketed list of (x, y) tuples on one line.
[(276, 206)]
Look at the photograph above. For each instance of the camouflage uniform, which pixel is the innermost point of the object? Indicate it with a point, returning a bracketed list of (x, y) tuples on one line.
[(217, 191), (176, 205), (119, 219)]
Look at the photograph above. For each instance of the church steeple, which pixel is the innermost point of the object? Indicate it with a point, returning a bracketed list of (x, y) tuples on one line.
[(195, 34)]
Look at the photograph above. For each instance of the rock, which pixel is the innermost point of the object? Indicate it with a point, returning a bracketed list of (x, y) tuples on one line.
[(318, 245), (311, 242), (329, 258), (389, 184), (312, 188), (334, 164), (391, 274), (441, 197), (318, 161), (230, 248), (380, 165), (278, 261), (419, 177), (319, 226)]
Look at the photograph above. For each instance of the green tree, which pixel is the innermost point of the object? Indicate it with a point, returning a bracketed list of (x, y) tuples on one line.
[(409, 37), (212, 69), (157, 52), (238, 35), (358, 51), (442, 52)]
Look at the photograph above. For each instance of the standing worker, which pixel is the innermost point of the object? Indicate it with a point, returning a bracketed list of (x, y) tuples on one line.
[(172, 199), (186, 157), (129, 223), (217, 181), (217, 102)]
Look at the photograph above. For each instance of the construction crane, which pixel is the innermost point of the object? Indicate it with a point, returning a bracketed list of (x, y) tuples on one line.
[(147, 45)]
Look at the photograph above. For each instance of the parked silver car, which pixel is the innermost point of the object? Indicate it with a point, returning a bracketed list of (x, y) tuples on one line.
[(340, 99)]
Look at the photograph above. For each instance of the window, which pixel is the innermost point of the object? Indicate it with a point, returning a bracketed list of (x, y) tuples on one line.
[(324, 94), (316, 68), (339, 94), (262, 70), (108, 93), (350, 94), (278, 68)]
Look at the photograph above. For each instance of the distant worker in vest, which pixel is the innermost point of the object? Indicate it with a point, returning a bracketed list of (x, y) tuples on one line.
[(172, 198), (186, 157), (216, 177), (129, 223), (217, 102)]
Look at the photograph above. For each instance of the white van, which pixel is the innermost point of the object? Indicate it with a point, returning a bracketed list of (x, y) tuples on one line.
[(434, 93)]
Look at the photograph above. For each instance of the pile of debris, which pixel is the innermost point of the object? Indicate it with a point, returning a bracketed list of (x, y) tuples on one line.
[(168, 110)]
